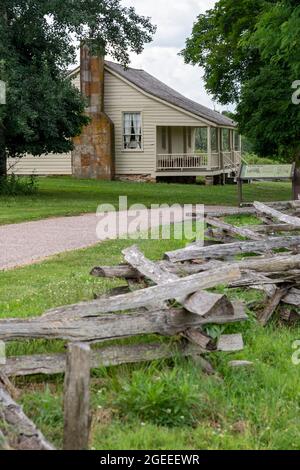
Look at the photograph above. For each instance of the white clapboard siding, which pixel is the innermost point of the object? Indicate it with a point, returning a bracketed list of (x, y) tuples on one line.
[(121, 97), (44, 165)]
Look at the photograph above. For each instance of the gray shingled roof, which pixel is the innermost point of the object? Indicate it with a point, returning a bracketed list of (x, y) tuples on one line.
[(154, 87)]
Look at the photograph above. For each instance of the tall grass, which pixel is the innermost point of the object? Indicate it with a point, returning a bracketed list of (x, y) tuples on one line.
[(13, 185)]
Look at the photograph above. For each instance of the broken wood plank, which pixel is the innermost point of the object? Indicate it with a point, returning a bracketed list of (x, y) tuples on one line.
[(264, 316), (230, 249), (275, 214), (24, 435), (77, 397), (234, 230), (219, 236), (123, 271), (292, 297), (199, 338), (126, 272), (109, 356), (9, 387), (201, 302), (146, 297), (147, 268), (281, 263), (113, 326), (207, 303), (285, 314), (230, 343)]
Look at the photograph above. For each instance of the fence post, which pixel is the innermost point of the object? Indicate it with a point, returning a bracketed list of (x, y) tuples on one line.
[(77, 397)]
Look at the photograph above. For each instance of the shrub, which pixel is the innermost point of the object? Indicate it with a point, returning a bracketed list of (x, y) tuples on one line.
[(165, 398), (13, 185), (253, 159)]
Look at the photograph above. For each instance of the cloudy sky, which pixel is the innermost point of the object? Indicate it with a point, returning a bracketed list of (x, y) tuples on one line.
[(174, 20)]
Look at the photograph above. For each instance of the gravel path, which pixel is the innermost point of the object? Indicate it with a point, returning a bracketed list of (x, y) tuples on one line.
[(30, 242)]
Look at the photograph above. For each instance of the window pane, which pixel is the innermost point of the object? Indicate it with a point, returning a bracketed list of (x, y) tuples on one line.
[(201, 139), (236, 140), (132, 131), (133, 142), (214, 139), (225, 140)]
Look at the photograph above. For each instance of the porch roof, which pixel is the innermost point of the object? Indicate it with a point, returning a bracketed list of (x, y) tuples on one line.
[(158, 89)]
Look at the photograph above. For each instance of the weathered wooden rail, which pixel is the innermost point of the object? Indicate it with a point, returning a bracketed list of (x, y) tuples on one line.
[(170, 299)]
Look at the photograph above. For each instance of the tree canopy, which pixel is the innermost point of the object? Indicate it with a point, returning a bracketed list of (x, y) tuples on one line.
[(37, 46), (249, 52)]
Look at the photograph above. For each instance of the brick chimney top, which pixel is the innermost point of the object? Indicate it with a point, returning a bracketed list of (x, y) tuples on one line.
[(92, 79)]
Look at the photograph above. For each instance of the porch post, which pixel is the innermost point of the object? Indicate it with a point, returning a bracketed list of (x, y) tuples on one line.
[(221, 157), (209, 156), (232, 149)]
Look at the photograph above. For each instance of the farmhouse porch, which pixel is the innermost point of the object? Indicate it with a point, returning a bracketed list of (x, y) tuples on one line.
[(197, 151)]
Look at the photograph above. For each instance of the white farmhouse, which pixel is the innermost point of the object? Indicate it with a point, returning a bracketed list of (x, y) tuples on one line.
[(140, 129)]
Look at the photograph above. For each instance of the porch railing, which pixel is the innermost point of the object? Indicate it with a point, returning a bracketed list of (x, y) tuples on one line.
[(181, 161), (184, 162)]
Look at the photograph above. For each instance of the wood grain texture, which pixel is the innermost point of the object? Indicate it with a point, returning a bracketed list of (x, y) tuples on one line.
[(107, 327), (230, 343), (292, 297), (146, 297), (231, 249), (233, 230), (24, 434), (201, 302), (77, 397), (275, 214), (19, 366), (270, 307)]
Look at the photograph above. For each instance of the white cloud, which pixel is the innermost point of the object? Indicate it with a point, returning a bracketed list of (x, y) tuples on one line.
[(174, 20)]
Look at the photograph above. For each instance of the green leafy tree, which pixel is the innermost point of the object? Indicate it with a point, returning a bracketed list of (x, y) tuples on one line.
[(37, 46), (249, 52)]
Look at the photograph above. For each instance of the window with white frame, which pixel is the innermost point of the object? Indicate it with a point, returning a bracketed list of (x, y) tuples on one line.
[(132, 131)]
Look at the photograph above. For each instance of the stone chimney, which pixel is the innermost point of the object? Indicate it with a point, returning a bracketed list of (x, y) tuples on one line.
[(93, 154)]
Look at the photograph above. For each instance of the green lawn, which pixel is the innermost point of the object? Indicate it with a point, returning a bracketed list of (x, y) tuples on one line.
[(168, 404), (66, 196)]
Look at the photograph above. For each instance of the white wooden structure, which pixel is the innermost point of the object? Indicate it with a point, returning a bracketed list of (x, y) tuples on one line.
[(158, 132)]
